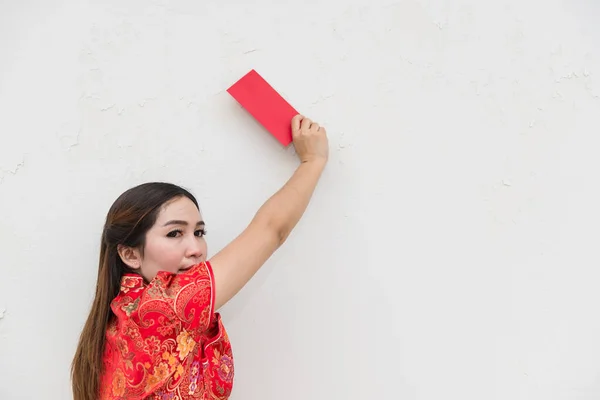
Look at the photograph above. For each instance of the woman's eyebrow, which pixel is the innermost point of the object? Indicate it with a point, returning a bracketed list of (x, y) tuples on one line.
[(181, 222)]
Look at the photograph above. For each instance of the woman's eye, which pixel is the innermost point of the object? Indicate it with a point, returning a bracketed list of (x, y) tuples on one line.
[(200, 232), (178, 232), (173, 233)]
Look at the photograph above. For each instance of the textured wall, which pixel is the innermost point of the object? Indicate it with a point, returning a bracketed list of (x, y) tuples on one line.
[(450, 249)]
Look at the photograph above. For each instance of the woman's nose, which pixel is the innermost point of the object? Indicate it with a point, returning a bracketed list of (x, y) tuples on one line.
[(194, 247)]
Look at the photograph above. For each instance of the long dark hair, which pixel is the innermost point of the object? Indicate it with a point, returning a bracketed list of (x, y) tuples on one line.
[(127, 222)]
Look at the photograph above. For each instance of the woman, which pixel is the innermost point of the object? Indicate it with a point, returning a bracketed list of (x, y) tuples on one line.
[(153, 331)]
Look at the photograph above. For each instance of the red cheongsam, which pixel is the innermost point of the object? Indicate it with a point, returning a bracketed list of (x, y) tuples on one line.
[(166, 341)]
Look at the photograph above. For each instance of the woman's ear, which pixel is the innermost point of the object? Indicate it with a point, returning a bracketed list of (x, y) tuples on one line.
[(130, 256)]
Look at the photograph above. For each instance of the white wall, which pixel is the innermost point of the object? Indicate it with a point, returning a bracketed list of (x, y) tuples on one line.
[(450, 251)]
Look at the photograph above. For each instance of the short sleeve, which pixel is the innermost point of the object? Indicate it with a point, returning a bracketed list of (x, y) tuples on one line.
[(190, 296)]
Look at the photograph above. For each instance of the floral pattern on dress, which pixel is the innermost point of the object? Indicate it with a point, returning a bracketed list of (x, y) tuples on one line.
[(165, 340)]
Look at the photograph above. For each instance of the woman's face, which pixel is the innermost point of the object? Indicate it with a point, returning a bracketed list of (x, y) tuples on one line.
[(175, 242)]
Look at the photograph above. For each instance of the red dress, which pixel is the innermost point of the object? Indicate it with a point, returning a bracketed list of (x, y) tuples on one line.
[(166, 341)]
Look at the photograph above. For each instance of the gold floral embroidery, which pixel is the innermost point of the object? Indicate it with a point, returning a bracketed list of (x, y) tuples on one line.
[(132, 331), (152, 345), (185, 344), (216, 357), (170, 358), (161, 371), (180, 370), (129, 282), (122, 346), (118, 383), (131, 307)]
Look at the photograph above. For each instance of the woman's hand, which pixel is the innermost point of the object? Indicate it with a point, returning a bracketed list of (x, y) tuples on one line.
[(310, 140)]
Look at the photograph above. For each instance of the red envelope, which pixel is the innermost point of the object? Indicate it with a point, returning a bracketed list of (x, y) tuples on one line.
[(265, 105)]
